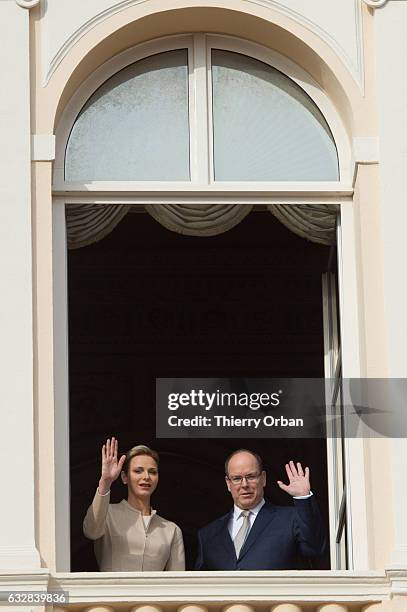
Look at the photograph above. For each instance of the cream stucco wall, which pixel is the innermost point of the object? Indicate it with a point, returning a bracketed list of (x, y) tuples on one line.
[(355, 105)]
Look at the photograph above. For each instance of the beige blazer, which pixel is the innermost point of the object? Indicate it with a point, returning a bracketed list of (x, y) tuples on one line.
[(122, 542)]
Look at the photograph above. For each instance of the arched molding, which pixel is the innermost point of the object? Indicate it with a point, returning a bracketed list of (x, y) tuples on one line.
[(263, 25), (27, 4), (278, 8), (375, 3), (281, 63)]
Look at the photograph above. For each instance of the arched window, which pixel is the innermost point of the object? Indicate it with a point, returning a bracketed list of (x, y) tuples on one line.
[(265, 127), (199, 112), (196, 119), (135, 126)]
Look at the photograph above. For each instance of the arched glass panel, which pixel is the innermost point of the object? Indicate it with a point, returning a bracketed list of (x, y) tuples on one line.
[(135, 127), (266, 128)]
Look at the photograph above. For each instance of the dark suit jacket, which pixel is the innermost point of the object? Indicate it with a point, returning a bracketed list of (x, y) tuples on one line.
[(278, 535)]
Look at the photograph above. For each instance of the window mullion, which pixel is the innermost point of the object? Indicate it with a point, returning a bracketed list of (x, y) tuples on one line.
[(199, 117)]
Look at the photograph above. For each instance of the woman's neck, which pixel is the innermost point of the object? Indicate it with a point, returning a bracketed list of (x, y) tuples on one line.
[(143, 505)]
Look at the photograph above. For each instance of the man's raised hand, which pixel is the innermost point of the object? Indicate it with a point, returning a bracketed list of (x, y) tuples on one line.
[(298, 480), (111, 467)]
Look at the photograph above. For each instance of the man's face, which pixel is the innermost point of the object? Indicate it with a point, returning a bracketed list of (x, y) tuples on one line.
[(247, 493)]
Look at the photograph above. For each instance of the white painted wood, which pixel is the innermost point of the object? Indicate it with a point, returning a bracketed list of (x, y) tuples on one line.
[(303, 79), (348, 294), (215, 588), (200, 105), (357, 524), (61, 389), (146, 200), (331, 355), (208, 54), (17, 525), (97, 78), (199, 120), (202, 188), (354, 449), (225, 587), (322, 188)]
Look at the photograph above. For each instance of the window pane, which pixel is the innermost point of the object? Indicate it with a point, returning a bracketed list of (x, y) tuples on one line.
[(135, 126), (266, 128)]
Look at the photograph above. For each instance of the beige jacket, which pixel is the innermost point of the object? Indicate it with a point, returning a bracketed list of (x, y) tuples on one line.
[(123, 544)]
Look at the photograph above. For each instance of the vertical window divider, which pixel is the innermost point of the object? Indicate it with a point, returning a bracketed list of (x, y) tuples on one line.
[(199, 117), (210, 110)]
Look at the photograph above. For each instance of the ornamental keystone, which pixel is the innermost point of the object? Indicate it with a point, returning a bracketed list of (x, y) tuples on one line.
[(27, 4)]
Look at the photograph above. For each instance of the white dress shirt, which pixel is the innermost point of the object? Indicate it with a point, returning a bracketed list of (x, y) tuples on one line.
[(237, 518)]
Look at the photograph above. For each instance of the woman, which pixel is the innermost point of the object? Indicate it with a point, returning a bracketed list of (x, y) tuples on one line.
[(130, 536)]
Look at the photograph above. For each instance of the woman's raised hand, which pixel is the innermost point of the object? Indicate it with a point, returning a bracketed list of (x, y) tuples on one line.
[(111, 467)]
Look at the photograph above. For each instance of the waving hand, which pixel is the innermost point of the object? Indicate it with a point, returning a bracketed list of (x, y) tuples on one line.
[(299, 483), (111, 467)]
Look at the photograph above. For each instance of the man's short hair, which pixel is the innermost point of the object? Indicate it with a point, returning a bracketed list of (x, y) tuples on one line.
[(244, 450), (136, 451)]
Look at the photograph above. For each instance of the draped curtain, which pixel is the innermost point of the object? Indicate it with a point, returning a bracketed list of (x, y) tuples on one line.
[(315, 222), (88, 223)]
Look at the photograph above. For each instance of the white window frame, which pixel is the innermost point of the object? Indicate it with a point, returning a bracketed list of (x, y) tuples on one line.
[(199, 48), (203, 189)]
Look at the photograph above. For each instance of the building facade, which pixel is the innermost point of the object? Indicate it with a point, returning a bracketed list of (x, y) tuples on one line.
[(349, 59)]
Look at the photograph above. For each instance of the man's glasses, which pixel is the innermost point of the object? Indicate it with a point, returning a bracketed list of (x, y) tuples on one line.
[(237, 480)]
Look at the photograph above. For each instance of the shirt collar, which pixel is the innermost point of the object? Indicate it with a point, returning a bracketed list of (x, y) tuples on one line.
[(238, 511), (126, 503)]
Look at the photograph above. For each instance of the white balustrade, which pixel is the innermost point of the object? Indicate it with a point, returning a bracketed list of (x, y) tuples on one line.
[(192, 608), (238, 608), (286, 607), (146, 608), (332, 607)]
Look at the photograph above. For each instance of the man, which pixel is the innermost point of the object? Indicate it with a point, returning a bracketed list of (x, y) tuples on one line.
[(257, 535)]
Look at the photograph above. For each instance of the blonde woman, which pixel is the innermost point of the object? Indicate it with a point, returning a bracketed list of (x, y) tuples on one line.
[(131, 536)]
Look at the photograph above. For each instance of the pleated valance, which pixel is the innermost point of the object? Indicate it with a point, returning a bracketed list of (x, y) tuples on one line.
[(88, 223), (199, 220), (315, 222)]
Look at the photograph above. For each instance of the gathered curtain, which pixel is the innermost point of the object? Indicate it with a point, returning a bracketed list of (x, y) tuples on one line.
[(89, 223), (315, 222), (199, 219)]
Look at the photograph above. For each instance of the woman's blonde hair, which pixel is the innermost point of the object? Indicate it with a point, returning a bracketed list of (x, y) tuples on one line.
[(136, 451)]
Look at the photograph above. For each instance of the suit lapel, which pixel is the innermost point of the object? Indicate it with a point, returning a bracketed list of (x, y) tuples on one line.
[(223, 535), (264, 517)]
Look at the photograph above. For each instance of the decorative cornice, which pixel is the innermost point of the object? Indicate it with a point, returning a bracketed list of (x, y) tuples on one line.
[(27, 4), (173, 587), (355, 67), (375, 3)]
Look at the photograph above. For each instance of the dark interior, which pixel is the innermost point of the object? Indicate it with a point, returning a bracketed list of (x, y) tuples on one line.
[(145, 302)]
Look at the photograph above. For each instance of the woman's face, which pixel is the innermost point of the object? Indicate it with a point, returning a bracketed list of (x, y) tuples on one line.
[(142, 477)]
